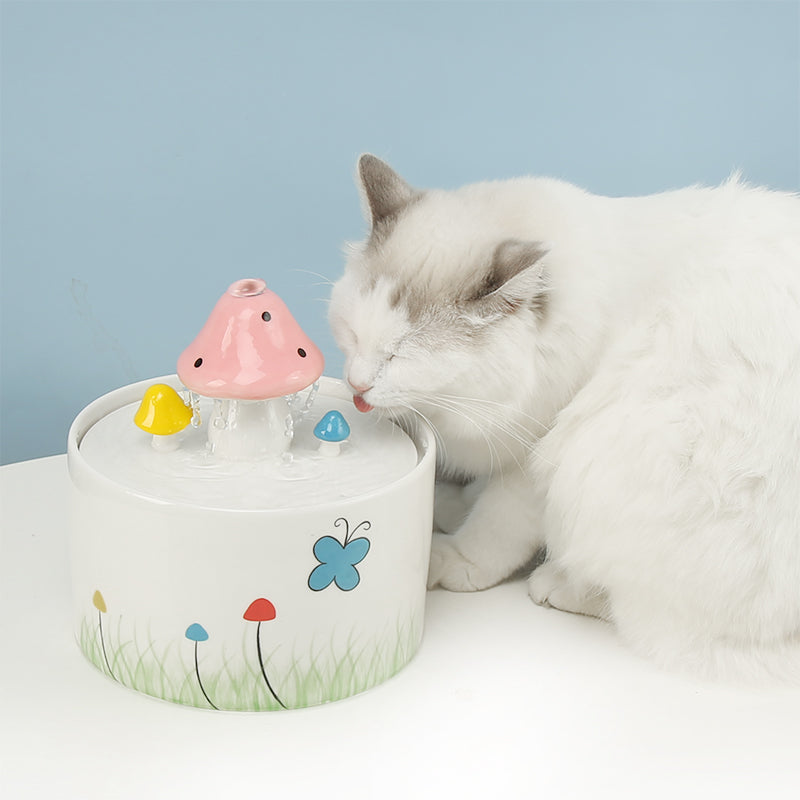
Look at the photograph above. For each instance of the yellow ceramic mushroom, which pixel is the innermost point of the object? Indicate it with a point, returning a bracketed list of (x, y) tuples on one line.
[(162, 412)]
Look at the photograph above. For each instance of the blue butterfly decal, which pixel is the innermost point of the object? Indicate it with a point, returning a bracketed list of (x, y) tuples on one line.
[(337, 560)]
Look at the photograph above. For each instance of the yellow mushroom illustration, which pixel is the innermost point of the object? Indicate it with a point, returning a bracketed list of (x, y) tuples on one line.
[(162, 412)]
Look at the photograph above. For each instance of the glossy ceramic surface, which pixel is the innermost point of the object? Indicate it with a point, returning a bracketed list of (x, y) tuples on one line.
[(250, 348), (251, 609)]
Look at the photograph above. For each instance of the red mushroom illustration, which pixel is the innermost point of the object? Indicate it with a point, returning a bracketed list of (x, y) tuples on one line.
[(252, 357), (261, 610)]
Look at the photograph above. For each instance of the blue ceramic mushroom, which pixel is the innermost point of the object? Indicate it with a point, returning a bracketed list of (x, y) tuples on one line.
[(331, 431)]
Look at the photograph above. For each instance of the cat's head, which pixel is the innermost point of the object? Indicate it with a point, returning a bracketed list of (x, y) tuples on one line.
[(442, 295)]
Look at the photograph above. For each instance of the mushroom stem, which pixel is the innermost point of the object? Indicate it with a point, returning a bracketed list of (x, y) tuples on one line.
[(200, 683), (329, 449), (164, 444), (244, 429), (263, 670)]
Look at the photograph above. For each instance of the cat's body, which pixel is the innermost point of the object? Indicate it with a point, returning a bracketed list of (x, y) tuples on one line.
[(622, 378)]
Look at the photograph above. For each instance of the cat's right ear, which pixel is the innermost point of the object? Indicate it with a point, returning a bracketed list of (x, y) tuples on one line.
[(515, 279), (385, 192)]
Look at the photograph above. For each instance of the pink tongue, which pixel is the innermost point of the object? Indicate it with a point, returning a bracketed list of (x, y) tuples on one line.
[(361, 404)]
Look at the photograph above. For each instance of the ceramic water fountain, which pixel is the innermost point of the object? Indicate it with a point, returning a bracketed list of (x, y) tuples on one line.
[(241, 540)]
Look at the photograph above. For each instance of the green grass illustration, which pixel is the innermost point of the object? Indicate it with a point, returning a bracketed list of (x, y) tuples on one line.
[(324, 673)]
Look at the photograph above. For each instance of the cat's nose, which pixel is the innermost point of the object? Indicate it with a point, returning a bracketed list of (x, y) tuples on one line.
[(359, 374)]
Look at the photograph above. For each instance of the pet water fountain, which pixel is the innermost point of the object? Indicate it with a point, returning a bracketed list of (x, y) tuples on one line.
[(240, 538)]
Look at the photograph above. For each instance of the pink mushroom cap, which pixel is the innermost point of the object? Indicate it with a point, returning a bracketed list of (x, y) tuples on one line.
[(251, 348)]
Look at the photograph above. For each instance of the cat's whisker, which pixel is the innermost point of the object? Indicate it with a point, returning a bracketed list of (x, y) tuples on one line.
[(503, 421), (485, 421), (432, 402), (522, 435), (441, 449), (483, 426), (484, 430), (504, 407), (477, 415), (326, 281), (507, 427)]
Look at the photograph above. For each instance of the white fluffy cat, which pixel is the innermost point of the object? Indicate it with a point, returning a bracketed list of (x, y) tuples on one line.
[(620, 381)]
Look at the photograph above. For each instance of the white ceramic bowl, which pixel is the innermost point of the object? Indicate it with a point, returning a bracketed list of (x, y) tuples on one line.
[(216, 608)]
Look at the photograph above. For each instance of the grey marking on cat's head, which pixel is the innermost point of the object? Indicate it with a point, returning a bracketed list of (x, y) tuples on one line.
[(511, 281), (414, 300)]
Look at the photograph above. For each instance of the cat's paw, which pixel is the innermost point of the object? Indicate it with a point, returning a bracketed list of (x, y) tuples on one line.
[(550, 586), (450, 569), (544, 582)]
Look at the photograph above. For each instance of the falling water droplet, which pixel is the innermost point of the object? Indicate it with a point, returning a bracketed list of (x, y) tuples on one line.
[(311, 397), (194, 402), (232, 417), (218, 420)]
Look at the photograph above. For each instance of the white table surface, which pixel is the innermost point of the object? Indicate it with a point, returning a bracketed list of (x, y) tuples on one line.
[(504, 699)]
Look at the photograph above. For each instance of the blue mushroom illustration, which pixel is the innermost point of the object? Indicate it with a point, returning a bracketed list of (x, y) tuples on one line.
[(197, 633), (332, 430), (337, 560)]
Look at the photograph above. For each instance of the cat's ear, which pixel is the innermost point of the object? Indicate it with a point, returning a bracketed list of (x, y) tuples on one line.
[(385, 192), (515, 279)]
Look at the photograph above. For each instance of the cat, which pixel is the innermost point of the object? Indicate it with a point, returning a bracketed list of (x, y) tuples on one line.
[(615, 381)]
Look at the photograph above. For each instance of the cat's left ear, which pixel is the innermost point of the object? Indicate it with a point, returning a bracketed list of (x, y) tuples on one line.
[(515, 279), (386, 193)]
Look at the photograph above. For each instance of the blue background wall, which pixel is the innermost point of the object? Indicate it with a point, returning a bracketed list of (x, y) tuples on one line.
[(152, 152)]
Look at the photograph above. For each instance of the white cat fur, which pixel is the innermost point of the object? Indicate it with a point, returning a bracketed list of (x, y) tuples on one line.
[(629, 400)]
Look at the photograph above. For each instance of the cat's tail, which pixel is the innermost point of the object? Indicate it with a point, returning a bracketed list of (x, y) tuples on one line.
[(757, 664), (719, 652)]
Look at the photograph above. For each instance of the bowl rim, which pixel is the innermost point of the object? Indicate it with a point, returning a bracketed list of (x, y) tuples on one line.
[(82, 473)]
